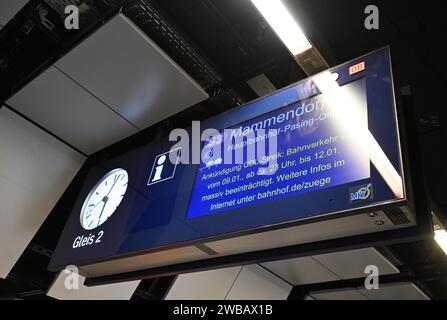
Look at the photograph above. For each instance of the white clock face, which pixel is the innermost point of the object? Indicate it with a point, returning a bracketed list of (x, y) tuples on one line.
[(104, 199)]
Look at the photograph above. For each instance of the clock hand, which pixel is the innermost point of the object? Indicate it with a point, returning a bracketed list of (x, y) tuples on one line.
[(98, 203), (100, 215), (107, 196)]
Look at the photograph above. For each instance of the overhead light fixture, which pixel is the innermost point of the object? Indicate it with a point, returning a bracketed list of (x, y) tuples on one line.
[(284, 25), (441, 239)]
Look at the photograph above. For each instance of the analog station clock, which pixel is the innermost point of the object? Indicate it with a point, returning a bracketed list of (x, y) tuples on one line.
[(104, 199)]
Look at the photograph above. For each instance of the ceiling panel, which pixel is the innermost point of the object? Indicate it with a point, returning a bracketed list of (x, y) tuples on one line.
[(256, 283), (214, 285), (351, 264), (330, 267), (61, 106), (301, 271), (395, 291), (116, 291), (125, 69), (9, 8), (35, 169), (344, 294), (391, 291)]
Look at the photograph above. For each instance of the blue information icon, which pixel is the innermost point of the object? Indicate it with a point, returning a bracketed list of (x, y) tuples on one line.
[(164, 168)]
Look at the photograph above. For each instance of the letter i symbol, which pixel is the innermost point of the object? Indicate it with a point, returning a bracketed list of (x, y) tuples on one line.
[(159, 168)]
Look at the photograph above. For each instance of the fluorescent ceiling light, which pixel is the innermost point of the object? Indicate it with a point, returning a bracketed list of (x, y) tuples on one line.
[(284, 25), (441, 239)]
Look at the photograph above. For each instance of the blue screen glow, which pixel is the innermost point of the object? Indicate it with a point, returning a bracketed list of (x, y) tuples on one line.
[(315, 150)]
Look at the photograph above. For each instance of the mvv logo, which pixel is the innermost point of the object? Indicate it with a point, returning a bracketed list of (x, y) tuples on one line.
[(361, 193)]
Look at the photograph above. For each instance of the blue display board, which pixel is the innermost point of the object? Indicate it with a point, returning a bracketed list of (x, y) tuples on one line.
[(337, 150), (313, 152)]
